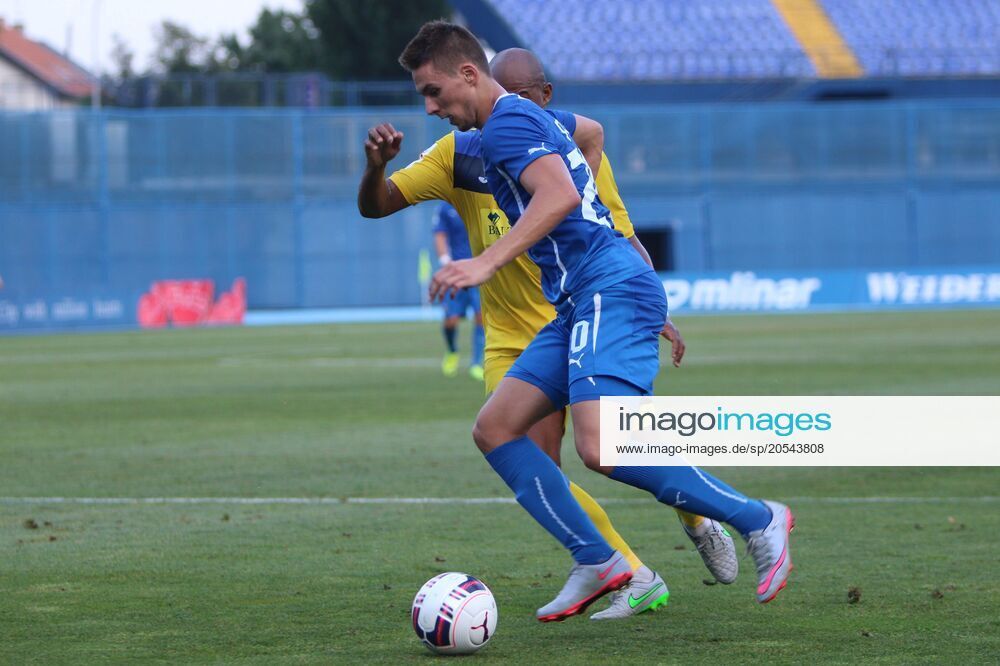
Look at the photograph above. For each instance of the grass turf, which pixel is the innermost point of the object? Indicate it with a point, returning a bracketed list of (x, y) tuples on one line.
[(339, 411)]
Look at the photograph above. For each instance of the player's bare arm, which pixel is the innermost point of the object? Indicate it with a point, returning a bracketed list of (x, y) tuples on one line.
[(640, 248), (677, 346), (378, 196), (589, 137), (553, 197)]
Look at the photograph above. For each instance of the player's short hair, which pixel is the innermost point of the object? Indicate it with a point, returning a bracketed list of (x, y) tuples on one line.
[(446, 45)]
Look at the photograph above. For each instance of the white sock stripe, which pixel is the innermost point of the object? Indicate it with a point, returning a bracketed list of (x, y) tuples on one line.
[(545, 501), (717, 489)]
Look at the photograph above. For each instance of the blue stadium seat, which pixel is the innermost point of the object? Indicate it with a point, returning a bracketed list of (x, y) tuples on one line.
[(921, 37), (655, 40), (665, 40)]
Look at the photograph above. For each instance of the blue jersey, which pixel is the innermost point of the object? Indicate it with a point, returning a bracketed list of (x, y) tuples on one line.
[(468, 172), (583, 253), (447, 220)]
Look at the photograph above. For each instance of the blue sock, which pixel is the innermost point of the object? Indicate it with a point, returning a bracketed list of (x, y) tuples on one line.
[(697, 492), (449, 338), (478, 343), (543, 491)]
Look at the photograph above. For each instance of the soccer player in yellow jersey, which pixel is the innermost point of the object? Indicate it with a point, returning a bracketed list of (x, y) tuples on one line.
[(513, 306)]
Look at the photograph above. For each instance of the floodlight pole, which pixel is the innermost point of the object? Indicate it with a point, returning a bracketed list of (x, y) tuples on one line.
[(95, 34)]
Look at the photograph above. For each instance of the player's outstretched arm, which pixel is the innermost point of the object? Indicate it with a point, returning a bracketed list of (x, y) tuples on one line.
[(589, 137), (553, 197), (377, 196)]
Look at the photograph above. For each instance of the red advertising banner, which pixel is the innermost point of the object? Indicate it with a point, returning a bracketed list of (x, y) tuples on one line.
[(191, 303)]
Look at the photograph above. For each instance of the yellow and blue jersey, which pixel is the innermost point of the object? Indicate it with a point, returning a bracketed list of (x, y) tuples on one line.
[(451, 170)]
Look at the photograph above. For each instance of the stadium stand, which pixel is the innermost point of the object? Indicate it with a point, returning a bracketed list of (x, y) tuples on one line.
[(649, 40), (921, 37), (819, 37)]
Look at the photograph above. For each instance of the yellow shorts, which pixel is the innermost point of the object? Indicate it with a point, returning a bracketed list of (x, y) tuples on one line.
[(495, 366)]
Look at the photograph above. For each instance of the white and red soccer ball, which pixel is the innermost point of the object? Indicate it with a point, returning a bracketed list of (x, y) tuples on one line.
[(454, 613)]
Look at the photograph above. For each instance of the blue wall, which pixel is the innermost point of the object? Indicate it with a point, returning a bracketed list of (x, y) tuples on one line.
[(111, 202)]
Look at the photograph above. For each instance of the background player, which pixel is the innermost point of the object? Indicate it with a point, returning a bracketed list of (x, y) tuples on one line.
[(451, 241), (541, 180)]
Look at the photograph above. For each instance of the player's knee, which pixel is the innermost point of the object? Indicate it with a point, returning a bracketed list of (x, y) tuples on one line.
[(592, 459), (485, 434), (492, 430), (589, 449)]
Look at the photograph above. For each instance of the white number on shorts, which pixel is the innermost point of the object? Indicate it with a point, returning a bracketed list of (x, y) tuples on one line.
[(578, 339)]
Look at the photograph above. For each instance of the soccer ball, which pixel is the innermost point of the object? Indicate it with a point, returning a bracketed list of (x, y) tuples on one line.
[(454, 613)]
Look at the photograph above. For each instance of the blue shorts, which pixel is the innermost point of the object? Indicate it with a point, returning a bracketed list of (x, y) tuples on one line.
[(459, 304), (607, 344)]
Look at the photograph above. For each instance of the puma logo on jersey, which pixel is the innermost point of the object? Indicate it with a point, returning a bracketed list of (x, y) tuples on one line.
[(482, 179), (576, 361), (532, 151)]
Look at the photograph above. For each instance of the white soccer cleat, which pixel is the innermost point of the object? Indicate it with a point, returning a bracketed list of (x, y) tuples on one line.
[(586, 584), (769, 549), (646, 592), (717, 550)]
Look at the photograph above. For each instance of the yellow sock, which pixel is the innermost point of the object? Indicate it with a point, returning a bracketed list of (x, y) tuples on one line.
[(604, 526), (689, 519)]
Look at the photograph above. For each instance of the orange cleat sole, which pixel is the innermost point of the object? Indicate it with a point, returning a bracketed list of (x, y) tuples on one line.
[(616, 583)]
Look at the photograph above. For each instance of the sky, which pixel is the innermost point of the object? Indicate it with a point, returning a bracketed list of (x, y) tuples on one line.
[(69, 23)]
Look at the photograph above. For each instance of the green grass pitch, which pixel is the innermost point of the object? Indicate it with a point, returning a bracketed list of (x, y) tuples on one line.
[(362, 411)]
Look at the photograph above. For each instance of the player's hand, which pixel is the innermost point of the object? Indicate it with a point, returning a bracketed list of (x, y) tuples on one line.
[(382, 144), (459, 275), (677, 345)]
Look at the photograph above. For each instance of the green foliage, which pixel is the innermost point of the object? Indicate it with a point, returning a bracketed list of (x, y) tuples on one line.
[(280, 42), (346, 39), (362, 39), (180, 51)]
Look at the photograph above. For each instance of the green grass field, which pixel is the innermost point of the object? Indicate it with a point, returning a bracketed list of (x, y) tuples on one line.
[(362, 411)]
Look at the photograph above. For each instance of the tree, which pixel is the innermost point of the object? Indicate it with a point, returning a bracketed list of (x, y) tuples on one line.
[(123, 58), (361, 39), (280, 42), (180, 51)]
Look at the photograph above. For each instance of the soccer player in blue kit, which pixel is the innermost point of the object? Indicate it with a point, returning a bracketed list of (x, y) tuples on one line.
[(610, 308), (451, 242)]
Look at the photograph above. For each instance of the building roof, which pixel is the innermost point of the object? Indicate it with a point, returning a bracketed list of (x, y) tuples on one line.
[(41, 62)]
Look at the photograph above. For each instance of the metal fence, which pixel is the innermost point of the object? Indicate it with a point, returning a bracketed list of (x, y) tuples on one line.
[(118, 199), (739, 71)]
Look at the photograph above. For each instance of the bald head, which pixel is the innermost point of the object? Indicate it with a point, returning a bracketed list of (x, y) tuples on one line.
[(520, 71)]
